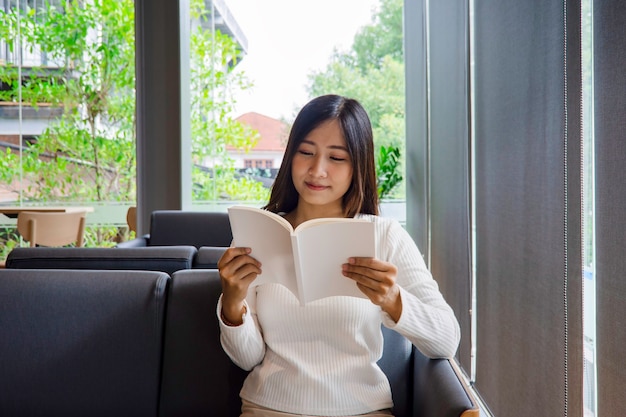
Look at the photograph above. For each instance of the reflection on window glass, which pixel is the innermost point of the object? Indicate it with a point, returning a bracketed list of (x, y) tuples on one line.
[(589, 319), (254, 64)]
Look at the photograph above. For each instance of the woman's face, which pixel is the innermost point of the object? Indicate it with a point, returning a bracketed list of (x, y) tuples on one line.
[(322, 169)]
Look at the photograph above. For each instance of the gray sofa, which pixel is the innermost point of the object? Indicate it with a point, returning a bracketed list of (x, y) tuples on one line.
[(145, 343), (208, 232), (154, 258), (189, 228), (168, 259)]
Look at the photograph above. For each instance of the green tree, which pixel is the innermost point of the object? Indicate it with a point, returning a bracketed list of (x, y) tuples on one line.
[(88, 153), (372, 71), (213, 86)]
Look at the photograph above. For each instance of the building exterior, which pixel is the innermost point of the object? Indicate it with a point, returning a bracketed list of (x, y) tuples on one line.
[(268, 152)]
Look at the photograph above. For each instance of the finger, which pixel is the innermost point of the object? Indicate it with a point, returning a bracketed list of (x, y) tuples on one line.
[(238, 270), (371, 263), (364, 271), (360, 278), (239, 280), (374, 280), (236, 257), (248, 270), (231, 253)]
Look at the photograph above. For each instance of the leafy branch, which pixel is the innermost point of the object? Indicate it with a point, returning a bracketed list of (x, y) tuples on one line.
[(388, 170)]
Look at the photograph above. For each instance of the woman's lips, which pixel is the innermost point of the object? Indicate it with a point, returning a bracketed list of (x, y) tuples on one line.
[(315, 187)]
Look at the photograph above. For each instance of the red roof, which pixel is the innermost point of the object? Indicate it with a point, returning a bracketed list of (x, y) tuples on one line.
[(273, 132)]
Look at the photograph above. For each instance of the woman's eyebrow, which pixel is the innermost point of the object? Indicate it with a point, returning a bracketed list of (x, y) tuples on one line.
[(339, 147)]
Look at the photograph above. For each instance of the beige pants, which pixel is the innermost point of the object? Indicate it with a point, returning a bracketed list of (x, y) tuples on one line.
[(249, 409)]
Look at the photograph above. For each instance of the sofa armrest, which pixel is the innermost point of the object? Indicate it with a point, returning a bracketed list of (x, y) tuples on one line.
[(137, 242), (440, 390)]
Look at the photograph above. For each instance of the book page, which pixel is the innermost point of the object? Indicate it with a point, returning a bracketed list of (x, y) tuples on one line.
[(315, 222), (322, 250), (270, 241)]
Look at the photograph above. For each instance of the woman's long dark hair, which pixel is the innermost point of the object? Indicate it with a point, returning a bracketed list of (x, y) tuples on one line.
[(362, 196)]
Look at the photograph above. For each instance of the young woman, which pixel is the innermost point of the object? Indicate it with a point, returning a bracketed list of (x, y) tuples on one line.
[(320, 359)]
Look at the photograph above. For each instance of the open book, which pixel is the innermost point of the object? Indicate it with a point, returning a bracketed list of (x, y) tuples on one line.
[(306, 260)]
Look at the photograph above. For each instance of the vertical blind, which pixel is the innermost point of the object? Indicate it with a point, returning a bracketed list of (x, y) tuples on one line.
[(438, 149), (527, 152), (610, 224), (449, 160), (528, 200)]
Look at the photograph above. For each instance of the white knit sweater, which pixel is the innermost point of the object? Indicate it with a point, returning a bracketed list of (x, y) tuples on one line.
[(320, 359)]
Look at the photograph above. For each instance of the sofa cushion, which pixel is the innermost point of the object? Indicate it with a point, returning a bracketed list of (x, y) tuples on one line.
[(163, 258), (208, 256), (80, 342), (195, 228)]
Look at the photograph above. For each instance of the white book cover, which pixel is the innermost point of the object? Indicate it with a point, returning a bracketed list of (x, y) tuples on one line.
[(306, 260)]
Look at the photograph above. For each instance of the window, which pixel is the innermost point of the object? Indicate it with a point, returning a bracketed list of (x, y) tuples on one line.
[(87, 155), (254, 64), (258, 163), (589, 300), (67, 108)]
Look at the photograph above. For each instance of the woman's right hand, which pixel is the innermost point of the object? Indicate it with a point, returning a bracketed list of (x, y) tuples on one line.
[(237, 271)]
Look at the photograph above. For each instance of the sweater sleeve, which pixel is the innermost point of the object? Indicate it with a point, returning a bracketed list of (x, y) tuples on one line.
[(426, 320), (244, 344)]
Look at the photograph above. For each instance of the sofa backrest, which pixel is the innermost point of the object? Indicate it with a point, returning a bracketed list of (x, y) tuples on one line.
[(200, 380), (168, 259), (81, 342), (194, 228), (88, 342)]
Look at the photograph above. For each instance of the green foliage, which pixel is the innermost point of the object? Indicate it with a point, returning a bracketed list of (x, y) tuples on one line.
[(388, 170), (372, 71), (104, 236), (88, 153), (9, 239), (214, 132), (383, 38), (226, 184)]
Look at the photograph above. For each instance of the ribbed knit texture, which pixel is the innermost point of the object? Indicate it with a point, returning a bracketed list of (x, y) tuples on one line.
[(320, 359)]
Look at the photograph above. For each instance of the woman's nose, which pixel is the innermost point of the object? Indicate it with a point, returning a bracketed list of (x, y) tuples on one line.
[(318, 167)]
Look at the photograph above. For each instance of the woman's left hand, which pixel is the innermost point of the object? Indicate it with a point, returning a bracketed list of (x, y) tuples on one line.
[(377, 280)]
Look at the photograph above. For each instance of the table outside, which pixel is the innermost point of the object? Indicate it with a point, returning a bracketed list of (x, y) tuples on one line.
[(13, 211)]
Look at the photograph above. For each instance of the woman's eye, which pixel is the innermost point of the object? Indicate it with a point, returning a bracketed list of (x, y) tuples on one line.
[(305, 152), (337, 158)]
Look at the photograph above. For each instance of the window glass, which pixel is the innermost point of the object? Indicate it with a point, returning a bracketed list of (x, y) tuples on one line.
[(67, 98), (254, 64), (589, 306), (67, 110)]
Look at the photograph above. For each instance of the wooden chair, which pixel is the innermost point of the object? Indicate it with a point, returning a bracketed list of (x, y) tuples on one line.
[(52, 229), (131, 219)]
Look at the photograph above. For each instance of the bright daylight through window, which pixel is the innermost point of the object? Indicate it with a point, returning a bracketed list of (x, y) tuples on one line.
[(589, 290), (67, 99), (272, 61)]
